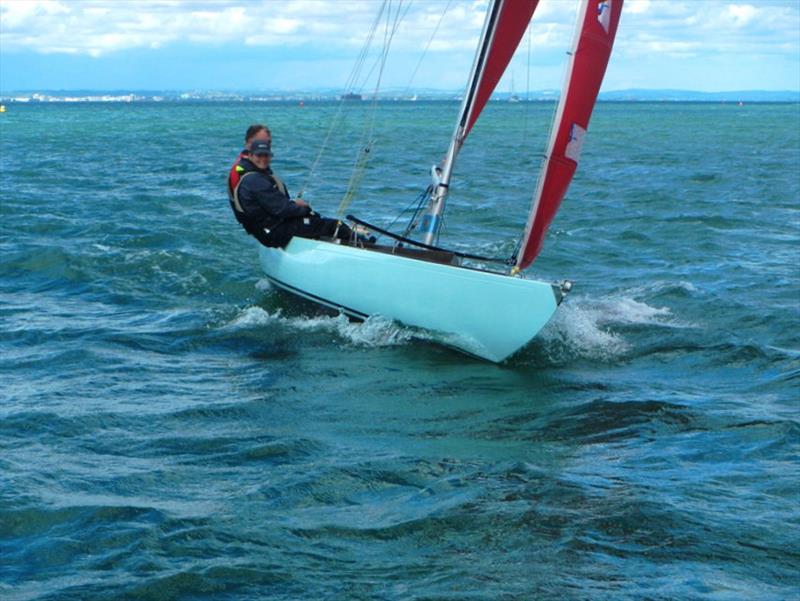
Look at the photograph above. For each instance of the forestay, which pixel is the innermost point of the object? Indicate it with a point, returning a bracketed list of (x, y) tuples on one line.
[(505, 25), (594, 38)]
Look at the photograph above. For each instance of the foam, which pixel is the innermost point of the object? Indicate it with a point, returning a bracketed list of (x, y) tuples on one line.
[(576, 330), (625, 310), (263, 285), (581, 328), (373, 332), (251, 316), (587, 328)]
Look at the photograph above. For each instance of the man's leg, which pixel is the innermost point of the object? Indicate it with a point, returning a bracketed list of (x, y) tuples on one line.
[(315, 226), (276, 237), (312, 226)]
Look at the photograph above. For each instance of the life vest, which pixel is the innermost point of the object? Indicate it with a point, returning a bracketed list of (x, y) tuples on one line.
[(234, 179), (236, 206), (234, 174), (279, 183)]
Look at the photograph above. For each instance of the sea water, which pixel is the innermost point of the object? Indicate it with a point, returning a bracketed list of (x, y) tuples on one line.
[(172, 427)]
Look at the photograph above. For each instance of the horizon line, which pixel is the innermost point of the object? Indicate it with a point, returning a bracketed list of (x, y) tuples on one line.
[(341, 89)]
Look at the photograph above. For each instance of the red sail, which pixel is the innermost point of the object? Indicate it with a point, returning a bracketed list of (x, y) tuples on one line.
[(597, 26), (506, 28)]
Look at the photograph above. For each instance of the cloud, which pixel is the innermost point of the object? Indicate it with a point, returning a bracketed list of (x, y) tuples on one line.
[(684, 29), (98, 27), (105, 26), (741, 14), (309, 31)]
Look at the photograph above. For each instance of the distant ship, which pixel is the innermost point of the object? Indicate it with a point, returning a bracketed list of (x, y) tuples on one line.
[(351, 96), (512, 97)]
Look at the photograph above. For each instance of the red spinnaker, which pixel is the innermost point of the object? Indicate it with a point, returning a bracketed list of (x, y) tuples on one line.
[(509, 25), (594, 39)]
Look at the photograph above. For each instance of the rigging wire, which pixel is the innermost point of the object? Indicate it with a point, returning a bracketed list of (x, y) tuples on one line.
[(349, 83), (421, 198), (359, 167), (527, 93), (427, 46), (380, 61), (550, 134), (425, 195), (525, 131)]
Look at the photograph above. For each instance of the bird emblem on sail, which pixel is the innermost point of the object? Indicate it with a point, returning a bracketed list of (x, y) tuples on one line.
[(604, 13), (575, 142)]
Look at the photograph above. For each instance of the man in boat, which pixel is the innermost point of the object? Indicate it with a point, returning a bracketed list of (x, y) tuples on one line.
[(264, 208), (256, 131)]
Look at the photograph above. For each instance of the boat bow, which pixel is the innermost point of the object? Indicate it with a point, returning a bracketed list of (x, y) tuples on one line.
[(482, 313)]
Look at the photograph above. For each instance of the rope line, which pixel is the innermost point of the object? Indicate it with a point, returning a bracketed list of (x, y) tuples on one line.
[(427, 46), (351, 79), (363, 156)]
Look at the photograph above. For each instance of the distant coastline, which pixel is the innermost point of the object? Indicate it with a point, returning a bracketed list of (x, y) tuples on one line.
[(328, 95)]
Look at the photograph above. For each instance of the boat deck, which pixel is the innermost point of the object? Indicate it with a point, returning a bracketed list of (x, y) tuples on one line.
[(443, 257), (433, 256)]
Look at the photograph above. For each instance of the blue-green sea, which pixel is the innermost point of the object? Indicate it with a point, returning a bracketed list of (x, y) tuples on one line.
[(171, 427)]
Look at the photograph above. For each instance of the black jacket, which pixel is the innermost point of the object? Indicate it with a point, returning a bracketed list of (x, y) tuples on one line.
[(263, 201)]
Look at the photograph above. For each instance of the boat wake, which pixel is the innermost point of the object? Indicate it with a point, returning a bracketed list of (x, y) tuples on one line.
[(374, 332), (582, 328), (588, 328)]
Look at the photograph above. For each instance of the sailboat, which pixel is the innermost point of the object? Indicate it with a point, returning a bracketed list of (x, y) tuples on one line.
[(488, 313), (512, 97)]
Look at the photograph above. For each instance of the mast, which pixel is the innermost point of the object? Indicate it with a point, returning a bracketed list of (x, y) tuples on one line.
[(505, 24), (432, 221)]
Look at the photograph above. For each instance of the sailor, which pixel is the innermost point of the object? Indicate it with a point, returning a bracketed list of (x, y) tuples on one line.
[(257, 131), (264, 208)]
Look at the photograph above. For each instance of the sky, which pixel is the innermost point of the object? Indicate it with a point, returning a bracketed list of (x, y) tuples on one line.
[(273, 45)]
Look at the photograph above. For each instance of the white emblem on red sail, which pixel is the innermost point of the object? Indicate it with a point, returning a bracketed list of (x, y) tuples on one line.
[(604, 13), (573, 150)]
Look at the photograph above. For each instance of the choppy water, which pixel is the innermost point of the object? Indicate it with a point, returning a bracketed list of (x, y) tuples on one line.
[(173, 428)]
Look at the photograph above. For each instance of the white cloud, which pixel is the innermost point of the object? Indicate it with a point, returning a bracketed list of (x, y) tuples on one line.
[(17, 13), (98, 27), (649, 28), (634, 7), (741, 14), (709, 28)]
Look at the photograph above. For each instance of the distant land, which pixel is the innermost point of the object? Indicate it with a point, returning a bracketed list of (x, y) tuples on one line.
[(329, 94), (690, 96)]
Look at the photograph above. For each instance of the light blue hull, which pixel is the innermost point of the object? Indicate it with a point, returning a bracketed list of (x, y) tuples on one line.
[(485, 314)]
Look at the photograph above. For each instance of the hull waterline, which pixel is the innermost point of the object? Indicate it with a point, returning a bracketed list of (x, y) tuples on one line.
[(481, 313)]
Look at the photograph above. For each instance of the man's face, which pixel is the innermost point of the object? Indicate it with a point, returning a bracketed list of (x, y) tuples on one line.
[(261, 160)]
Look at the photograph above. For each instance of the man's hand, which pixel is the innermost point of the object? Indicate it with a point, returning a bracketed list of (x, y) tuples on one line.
[(300, 202)]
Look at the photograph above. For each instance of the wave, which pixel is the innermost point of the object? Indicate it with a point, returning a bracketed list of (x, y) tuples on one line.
[(587, 328), (373, 332), (582, 328), (658, 288), (576, 332)]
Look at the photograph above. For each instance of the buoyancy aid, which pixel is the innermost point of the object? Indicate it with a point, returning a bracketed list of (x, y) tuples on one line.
[(237, 171), (241, 215), (233, 177)]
